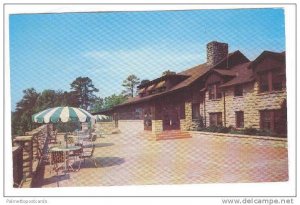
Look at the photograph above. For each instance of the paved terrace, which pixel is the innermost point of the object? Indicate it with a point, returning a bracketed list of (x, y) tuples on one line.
[(129, 158)]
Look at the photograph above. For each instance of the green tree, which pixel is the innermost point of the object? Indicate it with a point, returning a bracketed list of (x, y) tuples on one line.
[(97, 105), (25, 108), (144, 81), (70, 99), (28, 101), (113, 100), (130, 84), (46, 99), (84, 91), (168, 72)]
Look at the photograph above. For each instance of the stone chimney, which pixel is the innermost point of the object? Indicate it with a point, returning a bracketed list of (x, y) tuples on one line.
[(216, 51)]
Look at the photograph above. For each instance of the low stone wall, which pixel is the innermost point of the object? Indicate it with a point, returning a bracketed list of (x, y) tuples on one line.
[(33, 145), (105, 127), (278, 141), (17, 165), (131, 126)]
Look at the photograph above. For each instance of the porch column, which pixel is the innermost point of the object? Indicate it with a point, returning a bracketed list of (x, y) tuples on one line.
[(157, 125), (186, 123)]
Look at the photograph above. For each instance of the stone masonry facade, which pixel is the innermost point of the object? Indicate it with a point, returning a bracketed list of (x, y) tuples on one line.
[(229, 89), (251, 102)]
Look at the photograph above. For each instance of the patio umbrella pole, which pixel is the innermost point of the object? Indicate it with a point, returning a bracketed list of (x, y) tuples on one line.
[(66, 139)]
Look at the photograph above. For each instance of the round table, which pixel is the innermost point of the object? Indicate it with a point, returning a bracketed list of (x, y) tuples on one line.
[(65, 149), (80, 138)]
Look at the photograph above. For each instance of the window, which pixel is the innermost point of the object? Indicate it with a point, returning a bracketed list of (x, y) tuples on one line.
[(138, 113), (264, 82), (214, 92), (238, 90), (270, 81), (196, 110), (273, 120), (278, 81), (239, 118), (215, 119), (211, 92), (265, 119)]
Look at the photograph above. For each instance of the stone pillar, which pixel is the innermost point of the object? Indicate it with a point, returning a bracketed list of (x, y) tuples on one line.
[(157, 126), (26, 143), (188, 121)]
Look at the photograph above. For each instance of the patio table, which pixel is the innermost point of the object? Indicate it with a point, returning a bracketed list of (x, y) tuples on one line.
[(65, 150), (80, 138)]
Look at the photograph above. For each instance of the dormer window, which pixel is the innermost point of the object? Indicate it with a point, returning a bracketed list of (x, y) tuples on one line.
[(161, 84), (271, 81), (142, 92), (150, 89), (160, 87)]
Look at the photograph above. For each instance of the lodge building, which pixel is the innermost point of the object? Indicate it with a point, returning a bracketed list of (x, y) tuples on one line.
[(227, 90)]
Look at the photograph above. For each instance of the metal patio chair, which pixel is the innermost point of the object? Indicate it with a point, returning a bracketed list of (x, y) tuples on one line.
[(88, 153), (57, 161), (76, 156)]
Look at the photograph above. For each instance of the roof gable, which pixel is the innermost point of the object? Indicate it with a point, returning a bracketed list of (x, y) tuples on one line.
[(268, 60), (232, 60), (242, 73)]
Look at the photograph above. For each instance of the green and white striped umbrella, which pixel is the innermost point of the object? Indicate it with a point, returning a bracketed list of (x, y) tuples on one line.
[(101, 117), (62, 114)]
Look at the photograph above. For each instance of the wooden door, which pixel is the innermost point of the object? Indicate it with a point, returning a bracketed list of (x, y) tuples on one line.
[(171, 119)]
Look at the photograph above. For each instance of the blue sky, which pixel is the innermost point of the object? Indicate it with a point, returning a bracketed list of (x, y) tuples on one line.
[(48, 51)]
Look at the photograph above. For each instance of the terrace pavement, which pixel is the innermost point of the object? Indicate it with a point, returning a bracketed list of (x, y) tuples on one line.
[(131, 159)]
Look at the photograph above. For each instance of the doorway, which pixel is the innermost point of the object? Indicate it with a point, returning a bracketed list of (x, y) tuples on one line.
[(147, 119), (170, 117)]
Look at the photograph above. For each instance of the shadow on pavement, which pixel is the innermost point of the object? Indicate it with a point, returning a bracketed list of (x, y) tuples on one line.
[(102, 162), (103, 144)]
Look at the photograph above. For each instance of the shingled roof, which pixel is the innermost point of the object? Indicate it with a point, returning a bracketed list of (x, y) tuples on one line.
[(263, 55), (193, 74), (242, 73)]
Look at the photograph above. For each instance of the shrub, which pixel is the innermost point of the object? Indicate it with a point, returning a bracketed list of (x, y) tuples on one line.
[(250, 131), (232, 130), (214, 128)]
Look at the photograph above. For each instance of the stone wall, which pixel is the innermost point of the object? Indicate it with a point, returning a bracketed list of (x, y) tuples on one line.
[(17, 165), (213, 105), (245, 103), (251, 103), (131, 126), (34, 144), (105, 127)]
